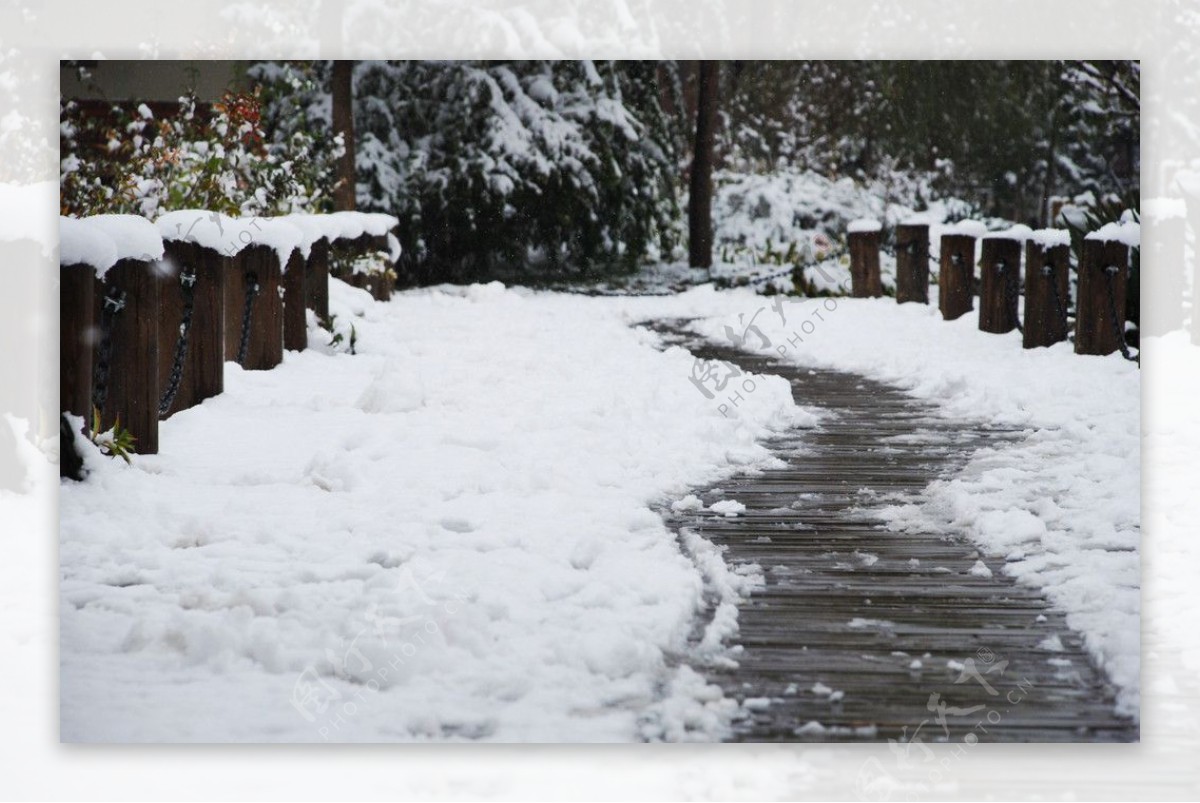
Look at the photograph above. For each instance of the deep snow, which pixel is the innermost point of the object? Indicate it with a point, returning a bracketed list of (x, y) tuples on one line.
[(451, 534), (447, 535)]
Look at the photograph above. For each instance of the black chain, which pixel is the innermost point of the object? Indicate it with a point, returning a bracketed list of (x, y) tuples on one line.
[(1110, 274), (1012, 294), (780, 275), (187, 288), (114, 302), (1048, 271), (251, 292)]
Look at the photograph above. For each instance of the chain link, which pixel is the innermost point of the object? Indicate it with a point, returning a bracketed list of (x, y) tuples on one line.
[(1048, 271), (187, 288), (251, 292), (114, 302), (1110, 276)]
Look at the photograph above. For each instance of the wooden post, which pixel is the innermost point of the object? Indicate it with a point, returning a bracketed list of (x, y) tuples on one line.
[(77, 335), (378, 285), (1102, 275), (956, 275), (1047, 293), (295, 321), (316, 280), (912, 263), (131, 372), (1000, 288), (203, 374), (255, 265), (865, 281)]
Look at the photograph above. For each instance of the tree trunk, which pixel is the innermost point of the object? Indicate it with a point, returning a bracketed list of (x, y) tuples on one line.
[(700, 229), (343, 123)]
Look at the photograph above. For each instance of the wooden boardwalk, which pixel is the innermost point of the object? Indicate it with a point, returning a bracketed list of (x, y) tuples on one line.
[(915, 642)]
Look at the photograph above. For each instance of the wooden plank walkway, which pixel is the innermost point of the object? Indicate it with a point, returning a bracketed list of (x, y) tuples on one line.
[(889, 619)]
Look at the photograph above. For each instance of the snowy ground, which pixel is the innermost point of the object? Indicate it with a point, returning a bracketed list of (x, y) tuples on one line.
[(451, 533), (446, 535)]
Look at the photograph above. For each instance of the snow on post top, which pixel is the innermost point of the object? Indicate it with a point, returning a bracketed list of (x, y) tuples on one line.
[(280, 235), (1126, 232), (1049, 238), (864, 224), (102, 241), (1019, 232), (80, 243), (340, 226), (972, 228), (211, 230)]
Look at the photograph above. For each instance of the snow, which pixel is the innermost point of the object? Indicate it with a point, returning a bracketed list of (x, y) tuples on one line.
[(449, 535), (1019, 232), (80, 243), (727, 508), (863, 224), (973, 228), (115, 237), (211, 230), (1049, 238), (1126, 232), (980, 569), (280, 236)]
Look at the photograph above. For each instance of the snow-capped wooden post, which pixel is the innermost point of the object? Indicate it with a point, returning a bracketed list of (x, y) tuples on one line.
[(123, 252), (912, 263), (1000, 288), (125, 362), (863, 236), (316, 279), (1103, 269), (1047, 287), (193, 289), (956, 273), (254, 309), (1165, 220), (295, 298)]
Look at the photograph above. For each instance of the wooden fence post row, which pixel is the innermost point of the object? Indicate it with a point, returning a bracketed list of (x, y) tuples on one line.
[(150, 312), (1103, 278)]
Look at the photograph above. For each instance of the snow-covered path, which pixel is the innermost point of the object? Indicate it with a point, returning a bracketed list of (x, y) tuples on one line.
[(858, 630), (446, 535), (451, 534)]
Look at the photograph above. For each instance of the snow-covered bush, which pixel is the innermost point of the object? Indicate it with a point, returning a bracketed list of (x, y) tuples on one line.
[(523, 170), (129, 161)]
